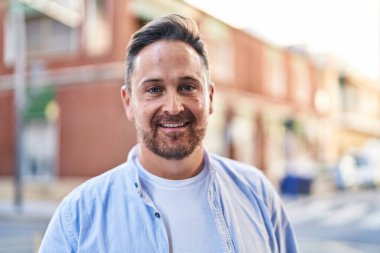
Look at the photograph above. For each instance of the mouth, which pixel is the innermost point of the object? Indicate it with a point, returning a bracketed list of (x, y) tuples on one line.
[(173, 125)]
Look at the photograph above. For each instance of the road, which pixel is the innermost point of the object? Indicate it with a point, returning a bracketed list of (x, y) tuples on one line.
[(21, 231), (347, 222), (21, 236)]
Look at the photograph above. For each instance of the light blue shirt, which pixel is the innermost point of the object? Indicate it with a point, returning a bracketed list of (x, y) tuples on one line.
[(185, 210), (113, 213)]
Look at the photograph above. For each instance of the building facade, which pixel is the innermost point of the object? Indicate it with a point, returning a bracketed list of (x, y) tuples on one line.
[(277, 108)]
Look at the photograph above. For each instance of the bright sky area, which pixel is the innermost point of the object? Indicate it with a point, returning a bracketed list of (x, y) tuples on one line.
[(347, 29)]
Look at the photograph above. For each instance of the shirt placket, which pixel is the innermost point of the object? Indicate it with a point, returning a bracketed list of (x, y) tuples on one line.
[(216, 207), (160, 229)]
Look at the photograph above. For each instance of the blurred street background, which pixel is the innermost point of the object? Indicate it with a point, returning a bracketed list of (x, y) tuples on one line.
[(297, 95)]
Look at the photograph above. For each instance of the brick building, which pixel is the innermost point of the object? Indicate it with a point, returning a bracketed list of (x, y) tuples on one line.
[(272, 105)]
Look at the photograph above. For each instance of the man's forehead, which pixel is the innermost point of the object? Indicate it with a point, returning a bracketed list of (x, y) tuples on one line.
[(159, 56), (166, 48)]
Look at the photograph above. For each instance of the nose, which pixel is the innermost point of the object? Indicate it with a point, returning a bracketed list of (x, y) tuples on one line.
[(173, 104)]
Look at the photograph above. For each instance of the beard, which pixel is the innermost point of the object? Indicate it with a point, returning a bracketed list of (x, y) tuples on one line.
[(174, 145)]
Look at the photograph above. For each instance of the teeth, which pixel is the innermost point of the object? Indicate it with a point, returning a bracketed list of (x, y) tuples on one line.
[(173, 125)]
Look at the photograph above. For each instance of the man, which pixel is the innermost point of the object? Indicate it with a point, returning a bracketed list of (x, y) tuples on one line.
[(171, 195)]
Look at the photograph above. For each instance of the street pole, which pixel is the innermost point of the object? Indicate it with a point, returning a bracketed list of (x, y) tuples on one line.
[(19, 96)]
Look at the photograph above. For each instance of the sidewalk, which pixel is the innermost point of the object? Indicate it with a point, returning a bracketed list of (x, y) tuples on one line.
[(29, 210), (22, 227), (39, 199)]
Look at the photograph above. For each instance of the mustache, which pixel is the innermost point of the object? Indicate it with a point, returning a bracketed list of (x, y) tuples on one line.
[(184, 116)]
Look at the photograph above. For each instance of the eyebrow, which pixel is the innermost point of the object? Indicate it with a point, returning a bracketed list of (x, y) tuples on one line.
[(159, 80), (152, 80), (188, 78)]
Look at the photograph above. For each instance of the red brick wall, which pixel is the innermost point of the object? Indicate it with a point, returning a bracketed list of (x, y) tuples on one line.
[(2, 17), (289, 77), (94, 132), (7, 140), (124, 25), (249, 62)]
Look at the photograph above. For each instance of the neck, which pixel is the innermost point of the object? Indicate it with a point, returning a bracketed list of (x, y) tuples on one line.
[(172, 169)]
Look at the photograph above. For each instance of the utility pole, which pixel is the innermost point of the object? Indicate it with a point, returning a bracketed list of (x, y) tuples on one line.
[(18, 23)]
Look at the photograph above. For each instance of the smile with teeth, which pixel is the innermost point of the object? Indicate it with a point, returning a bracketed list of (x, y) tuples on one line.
[(173, 125)]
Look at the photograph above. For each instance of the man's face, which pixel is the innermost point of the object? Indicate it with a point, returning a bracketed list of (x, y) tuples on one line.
[(170, 99)]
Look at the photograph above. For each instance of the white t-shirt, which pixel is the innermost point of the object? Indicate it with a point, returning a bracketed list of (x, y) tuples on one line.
[(185, 210)]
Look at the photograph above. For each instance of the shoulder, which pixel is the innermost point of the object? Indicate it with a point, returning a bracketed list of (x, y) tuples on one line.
[(246, 182), (240, 171), (249, 179), (107, 179), (96, 190), (78, 213)]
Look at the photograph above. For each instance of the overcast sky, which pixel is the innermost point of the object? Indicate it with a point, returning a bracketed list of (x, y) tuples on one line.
[(348, 29)]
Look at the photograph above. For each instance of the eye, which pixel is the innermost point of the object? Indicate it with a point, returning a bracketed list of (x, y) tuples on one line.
[(187, 88), (154, 90)]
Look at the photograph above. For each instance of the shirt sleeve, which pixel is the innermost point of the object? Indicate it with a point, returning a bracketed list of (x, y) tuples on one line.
[(59, 236), (284, 232)]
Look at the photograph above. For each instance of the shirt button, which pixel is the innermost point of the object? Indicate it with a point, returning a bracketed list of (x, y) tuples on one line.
[(136, 185), (157, 215)]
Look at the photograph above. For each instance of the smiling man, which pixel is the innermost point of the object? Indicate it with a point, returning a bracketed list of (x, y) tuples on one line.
[(171, 195), (169, 97)]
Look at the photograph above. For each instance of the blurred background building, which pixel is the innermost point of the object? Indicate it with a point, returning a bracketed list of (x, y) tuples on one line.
[(311, 123), (294, 115)]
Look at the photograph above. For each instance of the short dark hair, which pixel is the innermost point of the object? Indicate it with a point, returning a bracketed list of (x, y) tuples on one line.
[(171, 27)]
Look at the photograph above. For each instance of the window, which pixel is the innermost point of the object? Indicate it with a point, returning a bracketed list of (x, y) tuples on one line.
[(97, 28), (301, 81), (275, 73), (46, 36)]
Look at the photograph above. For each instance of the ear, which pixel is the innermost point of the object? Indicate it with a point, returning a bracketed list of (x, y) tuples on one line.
[(211, 96), (127, 103)]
